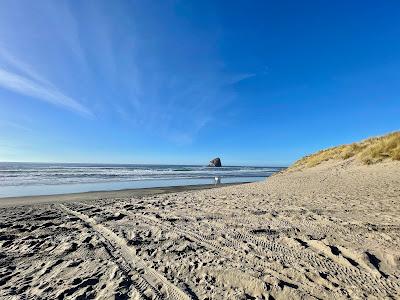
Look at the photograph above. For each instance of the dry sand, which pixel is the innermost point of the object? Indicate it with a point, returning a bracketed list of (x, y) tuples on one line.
[(328, 232)]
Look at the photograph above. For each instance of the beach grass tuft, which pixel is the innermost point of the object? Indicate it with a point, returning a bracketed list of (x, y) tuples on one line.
[(370, 151)]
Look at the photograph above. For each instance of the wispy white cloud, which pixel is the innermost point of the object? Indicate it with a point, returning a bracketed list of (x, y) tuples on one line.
[(28, 82), (240, 77), (28, 87), (21, 66), (4, 123)]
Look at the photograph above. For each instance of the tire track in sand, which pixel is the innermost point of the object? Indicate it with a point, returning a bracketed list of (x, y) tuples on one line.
[(150, 277), (313, 290), (352, 277)]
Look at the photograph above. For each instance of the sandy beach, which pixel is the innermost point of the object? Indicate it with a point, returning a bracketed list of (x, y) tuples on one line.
[(331, 231), (199, 150)]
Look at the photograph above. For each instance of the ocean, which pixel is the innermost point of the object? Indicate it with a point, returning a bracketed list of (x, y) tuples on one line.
[(23, 179)]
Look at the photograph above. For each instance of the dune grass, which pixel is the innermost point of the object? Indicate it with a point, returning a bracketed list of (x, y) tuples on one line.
[(370, 151)]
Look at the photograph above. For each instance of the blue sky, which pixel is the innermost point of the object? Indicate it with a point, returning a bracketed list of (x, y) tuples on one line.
[(254, 82)]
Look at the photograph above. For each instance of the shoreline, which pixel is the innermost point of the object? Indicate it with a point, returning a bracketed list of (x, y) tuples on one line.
[(94, 195), (8, 191)]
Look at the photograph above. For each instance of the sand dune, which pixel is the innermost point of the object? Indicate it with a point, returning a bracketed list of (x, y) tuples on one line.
[(331, 231)]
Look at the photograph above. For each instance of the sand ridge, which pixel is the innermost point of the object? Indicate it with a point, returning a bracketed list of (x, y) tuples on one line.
[(332, 231)]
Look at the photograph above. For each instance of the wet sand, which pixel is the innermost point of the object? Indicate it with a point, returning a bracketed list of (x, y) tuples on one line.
[(32, 200)]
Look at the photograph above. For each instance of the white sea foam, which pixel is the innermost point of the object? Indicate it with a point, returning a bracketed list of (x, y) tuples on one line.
[(18, 174)]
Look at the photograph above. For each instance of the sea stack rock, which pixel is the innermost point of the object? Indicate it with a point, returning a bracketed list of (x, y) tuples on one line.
[(216, 162)]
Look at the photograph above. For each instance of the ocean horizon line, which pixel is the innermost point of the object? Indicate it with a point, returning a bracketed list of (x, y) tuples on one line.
[(283, 166)]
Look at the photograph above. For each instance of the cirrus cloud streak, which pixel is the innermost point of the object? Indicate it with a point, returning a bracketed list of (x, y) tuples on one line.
[(50, 94)]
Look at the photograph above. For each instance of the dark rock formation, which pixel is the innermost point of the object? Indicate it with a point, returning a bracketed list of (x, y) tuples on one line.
[(216, 162)]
